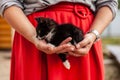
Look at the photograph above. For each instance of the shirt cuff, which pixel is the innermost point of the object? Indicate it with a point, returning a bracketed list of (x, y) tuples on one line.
[(7, 3)]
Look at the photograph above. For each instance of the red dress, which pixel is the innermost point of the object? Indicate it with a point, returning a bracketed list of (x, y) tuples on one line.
[(28, 63)]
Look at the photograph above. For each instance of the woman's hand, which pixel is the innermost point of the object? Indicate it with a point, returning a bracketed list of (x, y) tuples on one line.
[(83, 47), (100, 22), (50, 49)]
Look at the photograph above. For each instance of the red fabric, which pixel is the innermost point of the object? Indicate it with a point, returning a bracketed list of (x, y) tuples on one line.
[(30, 64)]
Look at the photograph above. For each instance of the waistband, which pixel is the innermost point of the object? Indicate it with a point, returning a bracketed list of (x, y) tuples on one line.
[(79, 9)]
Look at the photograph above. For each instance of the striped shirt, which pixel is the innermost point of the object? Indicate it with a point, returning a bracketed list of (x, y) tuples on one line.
[(30, 6)]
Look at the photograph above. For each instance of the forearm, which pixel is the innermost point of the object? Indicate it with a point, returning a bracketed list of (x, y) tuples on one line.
[(16, 18), (102, 19)]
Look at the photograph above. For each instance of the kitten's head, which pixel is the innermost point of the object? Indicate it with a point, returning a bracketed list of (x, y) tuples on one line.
[(45, 25)]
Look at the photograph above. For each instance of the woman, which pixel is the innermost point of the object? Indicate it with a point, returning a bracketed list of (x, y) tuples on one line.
[(28, 60)]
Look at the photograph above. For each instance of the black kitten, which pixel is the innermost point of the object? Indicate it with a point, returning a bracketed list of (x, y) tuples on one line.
[(54, 33)]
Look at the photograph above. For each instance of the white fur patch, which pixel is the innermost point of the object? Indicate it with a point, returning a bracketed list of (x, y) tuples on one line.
[(50, 35), (66, 64), (39, 37), (51, 45)]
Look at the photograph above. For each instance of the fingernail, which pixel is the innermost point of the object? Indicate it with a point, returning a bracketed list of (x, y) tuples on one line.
[(70, 38), (77, 46), (72, 49), (68, 45)]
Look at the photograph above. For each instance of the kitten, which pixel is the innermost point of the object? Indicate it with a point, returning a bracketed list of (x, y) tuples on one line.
[(54, 33)]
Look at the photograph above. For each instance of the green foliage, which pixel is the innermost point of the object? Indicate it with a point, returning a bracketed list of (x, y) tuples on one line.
[(109, 40), (119, 3)]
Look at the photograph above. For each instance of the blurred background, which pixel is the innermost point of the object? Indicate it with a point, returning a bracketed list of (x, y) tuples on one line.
[(110, 40)]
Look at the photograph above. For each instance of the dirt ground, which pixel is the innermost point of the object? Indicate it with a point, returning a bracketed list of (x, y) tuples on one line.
[(4, 65), (112, 71)]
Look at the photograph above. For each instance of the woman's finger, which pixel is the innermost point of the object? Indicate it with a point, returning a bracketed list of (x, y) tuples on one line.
[(61, 47), (74, 54), (68, 49), (83, 43), (66, 41), (50, 49), (83, 50), (87, 40)]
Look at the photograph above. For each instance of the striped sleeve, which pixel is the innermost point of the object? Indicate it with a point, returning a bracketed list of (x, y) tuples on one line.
[(7, 3)]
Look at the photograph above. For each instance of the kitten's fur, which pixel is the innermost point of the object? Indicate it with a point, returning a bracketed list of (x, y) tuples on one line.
[(54, 33)]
